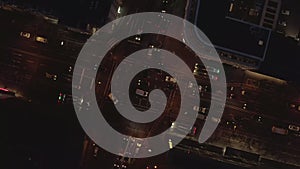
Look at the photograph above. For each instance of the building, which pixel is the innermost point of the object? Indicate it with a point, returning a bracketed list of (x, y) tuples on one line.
[(115, 10), (93, 14), (230, 33), (83, 14)]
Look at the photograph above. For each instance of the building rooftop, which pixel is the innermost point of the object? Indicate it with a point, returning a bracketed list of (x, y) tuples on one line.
[(231, 34)]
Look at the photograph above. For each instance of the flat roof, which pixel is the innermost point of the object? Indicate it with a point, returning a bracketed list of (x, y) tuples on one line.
[(231, 34)]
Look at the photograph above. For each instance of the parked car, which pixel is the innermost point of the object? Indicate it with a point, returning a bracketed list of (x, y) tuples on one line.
[(141, 92), (294, 128), (113, 98), (278, 130)]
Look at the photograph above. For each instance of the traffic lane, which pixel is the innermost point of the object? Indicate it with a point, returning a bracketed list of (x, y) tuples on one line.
[(244, 121), (107, 160), (240, 109), (28, 69), (252, 98), (265, 107), (45, 49), (95, 156), (242, 103), (195, 158), (241, 139), (259, 131), (128, 127)]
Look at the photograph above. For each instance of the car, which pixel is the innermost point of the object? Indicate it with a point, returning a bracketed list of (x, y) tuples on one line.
[(137, 39), (190, 84), (181, 127), (280, 131), (113, 98), (285, 12), (122, 163), (164, 6), (212, 69), (206, 75), (207, 71), (66, 77), (25, 35), (51, 76), (258, 119), (282, 23), (231, 124), (41, 39), (67, 98), (213, 77), (151, 167), (294, 128), (196, 108), (244, 106), (231, 96), (170, 79), (6, 92), (141, 92), (296, 134), (202, 110), (193, 131), (151, 49), (96, 150), (215, 119), (119, 165)]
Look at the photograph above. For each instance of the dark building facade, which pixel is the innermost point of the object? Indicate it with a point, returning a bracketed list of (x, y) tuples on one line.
[(84, 14)]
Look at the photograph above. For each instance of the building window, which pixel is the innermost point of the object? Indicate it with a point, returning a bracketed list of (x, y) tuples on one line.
[(270, 15), (267, 25), (271, 10), (272, 4), (268, 21)]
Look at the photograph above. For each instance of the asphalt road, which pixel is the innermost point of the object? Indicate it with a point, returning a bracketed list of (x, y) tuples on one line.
[(245, 119)]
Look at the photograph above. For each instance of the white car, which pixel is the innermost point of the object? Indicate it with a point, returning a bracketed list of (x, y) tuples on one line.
[(113, 98), (216, 120), (170, 79), (41, 39), (25, 34), (294, 128), (196, 108)]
